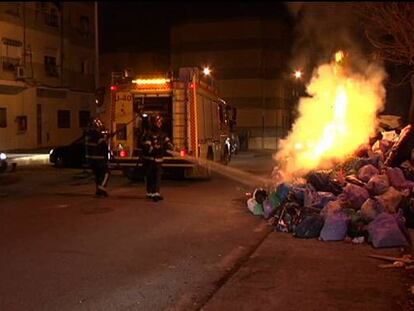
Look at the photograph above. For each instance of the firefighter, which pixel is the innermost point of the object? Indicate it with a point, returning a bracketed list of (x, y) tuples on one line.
[(97, 155), (155, 144)]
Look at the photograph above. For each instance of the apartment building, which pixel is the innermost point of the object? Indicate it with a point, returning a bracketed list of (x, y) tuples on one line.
[(248, 58), (47, 80)]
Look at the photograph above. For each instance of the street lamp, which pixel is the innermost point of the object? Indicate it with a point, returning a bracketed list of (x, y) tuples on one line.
[(206, 71), (297, 74)]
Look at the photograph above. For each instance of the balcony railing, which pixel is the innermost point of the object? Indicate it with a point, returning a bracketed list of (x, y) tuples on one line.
[(51, 19), (52, 71), (10, 63)]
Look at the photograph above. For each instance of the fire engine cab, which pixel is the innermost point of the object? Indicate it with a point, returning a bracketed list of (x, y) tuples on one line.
[(196, 119)]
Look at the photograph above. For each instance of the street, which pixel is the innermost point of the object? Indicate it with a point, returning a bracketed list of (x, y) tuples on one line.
[(63, 249), (200, 248)]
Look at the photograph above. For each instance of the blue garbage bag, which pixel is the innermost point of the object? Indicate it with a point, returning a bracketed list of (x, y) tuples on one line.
[(384, 231), (354, 195), (324, 198), (282, 191), (335, 227)]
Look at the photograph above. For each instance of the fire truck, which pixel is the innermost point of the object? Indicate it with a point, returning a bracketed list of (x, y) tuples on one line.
[(197, 120)]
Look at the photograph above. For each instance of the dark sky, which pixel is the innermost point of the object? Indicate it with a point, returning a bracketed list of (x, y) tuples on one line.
[(144, 26)]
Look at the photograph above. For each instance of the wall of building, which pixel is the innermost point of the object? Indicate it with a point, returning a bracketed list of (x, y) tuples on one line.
[(247, 57), (54, 46)]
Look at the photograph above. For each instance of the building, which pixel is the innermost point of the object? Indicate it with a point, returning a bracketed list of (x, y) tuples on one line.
[(247, 46), (248, 57), (47, 77)]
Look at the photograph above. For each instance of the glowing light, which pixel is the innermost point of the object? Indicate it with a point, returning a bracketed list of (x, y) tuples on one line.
[(123, 153), (339, 56), (206, 71), (3, 156), (337, 118), (297, 74), (151, 81), (183, 153), (114, 88), (144, 115)]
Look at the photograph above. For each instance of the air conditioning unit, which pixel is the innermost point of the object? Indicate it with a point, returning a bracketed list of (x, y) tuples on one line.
[(20, 72)]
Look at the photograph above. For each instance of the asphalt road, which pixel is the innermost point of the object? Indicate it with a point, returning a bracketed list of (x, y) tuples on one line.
[(63, 249)]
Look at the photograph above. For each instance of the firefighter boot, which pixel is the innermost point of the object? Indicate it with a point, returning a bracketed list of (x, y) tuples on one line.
[(157, 197)]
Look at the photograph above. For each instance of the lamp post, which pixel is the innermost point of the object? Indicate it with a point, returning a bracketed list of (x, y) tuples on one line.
[(297, 80)]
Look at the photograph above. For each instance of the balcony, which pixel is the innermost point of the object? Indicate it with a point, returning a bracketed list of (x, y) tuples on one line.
[(10, 63), (51, 19), (52, 71)]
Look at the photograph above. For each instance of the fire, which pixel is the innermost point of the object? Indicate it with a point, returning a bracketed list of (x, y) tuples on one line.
[(339, 56), (339, 117)]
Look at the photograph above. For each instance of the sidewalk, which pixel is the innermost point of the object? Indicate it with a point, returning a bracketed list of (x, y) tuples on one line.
[(286, 273), (25, 159)]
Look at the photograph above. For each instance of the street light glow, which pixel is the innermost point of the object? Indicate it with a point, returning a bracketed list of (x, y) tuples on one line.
[(206, 71), (297, 74)]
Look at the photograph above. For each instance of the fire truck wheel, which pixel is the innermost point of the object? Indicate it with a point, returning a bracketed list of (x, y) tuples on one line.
[(226, 156)]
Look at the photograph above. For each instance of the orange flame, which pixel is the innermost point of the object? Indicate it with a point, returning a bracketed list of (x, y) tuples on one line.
[(339, 117)]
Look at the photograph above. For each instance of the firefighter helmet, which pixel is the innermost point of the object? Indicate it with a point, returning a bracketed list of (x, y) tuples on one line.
[(156, 121), (96, 124)]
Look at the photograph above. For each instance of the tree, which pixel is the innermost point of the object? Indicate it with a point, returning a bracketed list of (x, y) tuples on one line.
[(389, 27)]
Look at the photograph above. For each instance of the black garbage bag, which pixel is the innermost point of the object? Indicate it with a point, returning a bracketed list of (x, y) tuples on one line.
[(288, 217), (407, 207), (322, 181), (310, 227), (358, 226), (354, 180), (260, 195)]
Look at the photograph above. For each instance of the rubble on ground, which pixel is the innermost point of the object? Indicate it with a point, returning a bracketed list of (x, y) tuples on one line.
[(369, 197)]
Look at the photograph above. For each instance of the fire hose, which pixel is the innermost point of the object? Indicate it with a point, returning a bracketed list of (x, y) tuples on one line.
[(241, 176)]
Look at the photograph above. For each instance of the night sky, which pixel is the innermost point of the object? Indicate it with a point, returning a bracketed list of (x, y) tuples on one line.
[(145, 26)]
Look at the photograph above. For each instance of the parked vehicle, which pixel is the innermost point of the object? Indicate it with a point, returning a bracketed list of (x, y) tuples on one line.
[(71, 155), (6, 164)]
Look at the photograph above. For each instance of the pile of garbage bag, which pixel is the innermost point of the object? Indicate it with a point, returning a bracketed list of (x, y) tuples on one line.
[(369, 197)]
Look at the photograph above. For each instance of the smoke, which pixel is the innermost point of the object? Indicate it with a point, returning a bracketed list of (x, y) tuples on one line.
[(321, 29)]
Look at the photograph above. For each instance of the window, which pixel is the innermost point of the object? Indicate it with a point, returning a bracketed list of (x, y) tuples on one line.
[(121, 131), (21, 123), (3, 117), (84, 117), (84, 26), (85, 67), (13, 9), (50, 66), (11, 53), (63, 119), (52, 18)]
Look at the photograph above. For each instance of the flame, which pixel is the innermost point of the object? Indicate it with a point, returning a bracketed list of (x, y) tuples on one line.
[(339, 56), (338, 118)]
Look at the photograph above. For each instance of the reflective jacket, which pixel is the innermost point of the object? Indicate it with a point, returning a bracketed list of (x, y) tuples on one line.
[(154, 145), (96, 146)]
